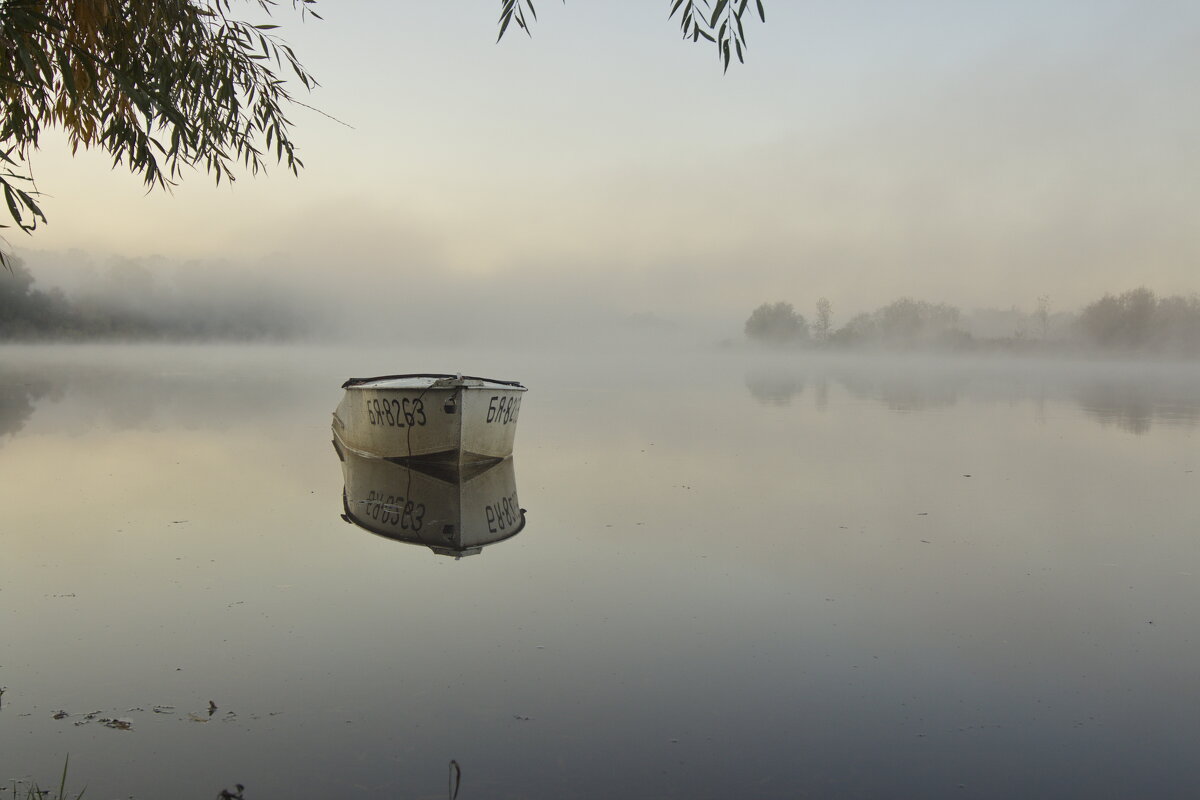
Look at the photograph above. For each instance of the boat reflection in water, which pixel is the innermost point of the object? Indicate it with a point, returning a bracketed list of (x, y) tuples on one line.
[(452, 511)]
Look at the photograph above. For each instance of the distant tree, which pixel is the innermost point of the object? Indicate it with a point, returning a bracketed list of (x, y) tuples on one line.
[(1137, 320), (907, 321), (1177, 325), (859, 329), (1120, 321), (27, 312), (776, 323), (823, 320), (904, 323)]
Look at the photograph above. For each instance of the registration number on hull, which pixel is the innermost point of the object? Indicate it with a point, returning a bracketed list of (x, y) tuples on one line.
[(396, 413), (502, 409)]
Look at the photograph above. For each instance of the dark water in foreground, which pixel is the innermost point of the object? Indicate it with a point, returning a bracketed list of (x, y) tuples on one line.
[(769, 579)]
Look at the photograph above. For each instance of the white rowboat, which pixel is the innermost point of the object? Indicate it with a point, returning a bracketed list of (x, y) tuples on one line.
[(453, 419)]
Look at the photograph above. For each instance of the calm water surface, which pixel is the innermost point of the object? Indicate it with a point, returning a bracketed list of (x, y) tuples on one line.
[(739, 577)]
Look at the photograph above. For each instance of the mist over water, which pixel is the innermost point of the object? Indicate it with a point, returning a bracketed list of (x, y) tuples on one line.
[(71, 297), (833, 575)]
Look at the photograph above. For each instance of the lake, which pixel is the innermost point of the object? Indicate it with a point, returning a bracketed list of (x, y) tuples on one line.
[(740, 576)]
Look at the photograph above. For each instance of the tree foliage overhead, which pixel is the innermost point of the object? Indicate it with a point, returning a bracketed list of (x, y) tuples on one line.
[(161, 85), (164, 86), (716, 21)]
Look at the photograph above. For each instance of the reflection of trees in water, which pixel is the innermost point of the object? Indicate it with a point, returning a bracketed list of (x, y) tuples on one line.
[(1135, 406), (19, 394), (774, 389), (1130, 398), (822, 392), (901, 391), (123, 394), (898, 391)]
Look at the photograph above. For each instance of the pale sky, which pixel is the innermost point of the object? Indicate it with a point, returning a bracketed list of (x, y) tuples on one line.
[(980, 154)]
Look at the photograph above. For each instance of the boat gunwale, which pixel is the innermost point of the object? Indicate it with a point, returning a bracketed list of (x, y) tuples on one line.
[(359, 382)]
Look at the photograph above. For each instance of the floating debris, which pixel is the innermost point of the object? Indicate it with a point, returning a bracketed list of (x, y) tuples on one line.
[(60, 714), (163, 709), (236, 794), (118, 724)]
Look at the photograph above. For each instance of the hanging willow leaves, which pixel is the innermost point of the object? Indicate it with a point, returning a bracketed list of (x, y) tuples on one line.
[(168, 85), (161, 85), (717, 22)]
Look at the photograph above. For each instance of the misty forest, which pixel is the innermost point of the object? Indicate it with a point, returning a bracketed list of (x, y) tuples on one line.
[(1136, 322), (129, 301), (622, 400)]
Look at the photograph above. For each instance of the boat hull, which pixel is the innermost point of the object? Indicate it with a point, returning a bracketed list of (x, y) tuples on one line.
[(429, 419)]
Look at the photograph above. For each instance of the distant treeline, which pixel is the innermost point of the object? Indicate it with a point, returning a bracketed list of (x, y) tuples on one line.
[(128, 303), (1136, 321)]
